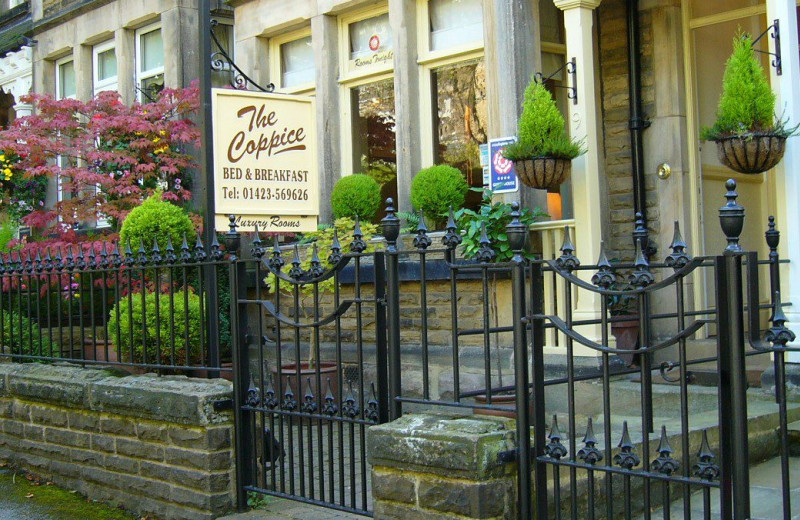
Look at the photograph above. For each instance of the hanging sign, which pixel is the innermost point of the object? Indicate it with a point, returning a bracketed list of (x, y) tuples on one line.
[(265, 164), (502, 177)]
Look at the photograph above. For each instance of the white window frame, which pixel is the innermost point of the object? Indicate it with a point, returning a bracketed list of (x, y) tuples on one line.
[(350, 78), (109, 83), (141, 75), (428, 61), (275, 71)]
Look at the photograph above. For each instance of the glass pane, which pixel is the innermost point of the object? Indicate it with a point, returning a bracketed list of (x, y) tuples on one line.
[(106, 65), (374, 141), (551, 22), (66, 80), (455, 22), (461, 119), (224, 33), (297, 62), (152, 50), (709, 7), (152, 86), (370, 36)]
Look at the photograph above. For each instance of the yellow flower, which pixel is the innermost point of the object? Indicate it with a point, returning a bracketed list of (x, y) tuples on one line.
[(162, 132), (2, 157), (7, 172), (156, 139)]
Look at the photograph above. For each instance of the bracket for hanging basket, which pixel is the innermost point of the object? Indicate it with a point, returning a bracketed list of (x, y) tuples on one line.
[(751, 153), (543, 172)]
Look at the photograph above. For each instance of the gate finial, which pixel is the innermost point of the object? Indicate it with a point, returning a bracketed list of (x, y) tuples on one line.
[(391, 226), (731, 218), (451, 237), (516, 232), (678, 259)]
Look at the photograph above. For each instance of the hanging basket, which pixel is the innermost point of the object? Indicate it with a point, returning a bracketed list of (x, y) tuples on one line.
[(751, 153), (543, 172)]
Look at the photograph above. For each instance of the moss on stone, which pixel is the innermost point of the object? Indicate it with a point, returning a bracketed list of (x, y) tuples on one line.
[(50, 501)]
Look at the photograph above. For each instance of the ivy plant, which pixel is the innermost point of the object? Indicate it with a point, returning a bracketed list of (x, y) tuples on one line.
[(496, 216)]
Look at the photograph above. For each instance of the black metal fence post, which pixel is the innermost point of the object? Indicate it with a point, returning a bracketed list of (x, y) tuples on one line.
[(391, 230), (241, 367), (735, 480), (381, 354), (539, 404), (517, 233)]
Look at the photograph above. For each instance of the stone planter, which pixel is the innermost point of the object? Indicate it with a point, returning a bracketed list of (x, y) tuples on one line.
[(543, 172), (751, 153)]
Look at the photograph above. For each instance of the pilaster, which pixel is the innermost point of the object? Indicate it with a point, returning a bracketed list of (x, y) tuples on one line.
[(584, 122), (787, 171), (324, 39)]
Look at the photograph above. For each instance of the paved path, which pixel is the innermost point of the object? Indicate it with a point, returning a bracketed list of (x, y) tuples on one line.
[(281, 509)]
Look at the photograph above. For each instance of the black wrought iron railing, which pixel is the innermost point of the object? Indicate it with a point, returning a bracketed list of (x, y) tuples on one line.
[(93, 303)]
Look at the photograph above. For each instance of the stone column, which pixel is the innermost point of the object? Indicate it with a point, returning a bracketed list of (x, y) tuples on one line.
[(126, 72), (788, 171), (513, 55), (442, 466), (82, 56), (324, 39), (403, 21), (181, 46), (584, 122)]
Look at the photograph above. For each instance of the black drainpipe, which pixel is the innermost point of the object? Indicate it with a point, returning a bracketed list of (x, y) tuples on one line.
[(637, 123)]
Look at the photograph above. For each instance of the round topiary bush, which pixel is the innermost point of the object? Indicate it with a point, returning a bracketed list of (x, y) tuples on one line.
[(356, 195), (156, 219), (132, 317), (435, 189)]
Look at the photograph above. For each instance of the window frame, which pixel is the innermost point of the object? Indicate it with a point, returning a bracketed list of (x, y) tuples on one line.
[(428, 61), (275, 70), (139, 74), (110, 83), (352, 79)]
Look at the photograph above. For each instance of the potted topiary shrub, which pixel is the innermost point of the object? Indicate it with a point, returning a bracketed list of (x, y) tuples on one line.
[(543, 152), (436, 189), (356, 196), (750, 138)]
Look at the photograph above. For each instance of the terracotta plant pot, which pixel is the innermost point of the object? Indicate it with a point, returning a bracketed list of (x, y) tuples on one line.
[(751, 153), (506, 406), (626, 333), (543, 172), (289, 373)]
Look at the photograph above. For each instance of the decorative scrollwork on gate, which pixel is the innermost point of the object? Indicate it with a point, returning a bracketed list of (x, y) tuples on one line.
[(222, 62)]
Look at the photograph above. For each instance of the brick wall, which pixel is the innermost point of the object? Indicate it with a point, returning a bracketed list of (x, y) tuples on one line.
[(613, 46), (153, 445)]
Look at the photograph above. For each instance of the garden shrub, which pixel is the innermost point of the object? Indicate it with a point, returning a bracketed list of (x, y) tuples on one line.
[(127, 328), (156, 219), (356, 195), (22, 336), (541, 129), (747, 103), (435, 189)]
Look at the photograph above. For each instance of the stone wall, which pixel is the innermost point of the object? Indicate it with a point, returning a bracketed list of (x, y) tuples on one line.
[(153, 445), (613, 45), (441, 466)]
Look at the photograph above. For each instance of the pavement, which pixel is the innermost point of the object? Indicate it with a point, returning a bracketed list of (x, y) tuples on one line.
[(282, 509)]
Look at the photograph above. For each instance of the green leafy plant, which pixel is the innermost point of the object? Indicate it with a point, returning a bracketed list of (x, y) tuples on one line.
[(496, 216), (437, 188), (8, 232), (356, 195), (133, 327), (156, 219), (24, 337), (541, 129), (411, 220), (747, 103)]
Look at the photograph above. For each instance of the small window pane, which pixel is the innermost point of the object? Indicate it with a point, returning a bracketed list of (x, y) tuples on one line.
[(461, 119), (551, 22), (152, 50), (297, 62), (370, 36), (66, 80), (455, 22), (152, 86), (106, 65)]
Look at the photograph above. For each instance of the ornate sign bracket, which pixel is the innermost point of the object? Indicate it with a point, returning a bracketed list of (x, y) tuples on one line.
[(571, 68), (222, 62), (775, 35)]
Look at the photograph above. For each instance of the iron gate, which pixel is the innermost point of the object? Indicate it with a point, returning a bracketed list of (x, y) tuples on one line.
[(633, 453), (306, 389)]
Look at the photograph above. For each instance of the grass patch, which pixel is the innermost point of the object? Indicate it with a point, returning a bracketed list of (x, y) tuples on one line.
[(30, 494)]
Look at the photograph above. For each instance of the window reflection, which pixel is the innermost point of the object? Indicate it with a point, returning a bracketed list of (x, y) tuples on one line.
[(374, 142)]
